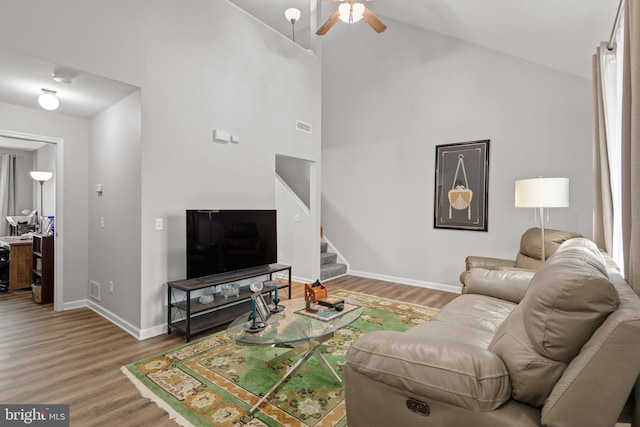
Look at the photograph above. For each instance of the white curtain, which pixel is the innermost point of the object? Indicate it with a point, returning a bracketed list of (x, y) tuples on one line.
[(631, 146), (7, 191), (607, 78)]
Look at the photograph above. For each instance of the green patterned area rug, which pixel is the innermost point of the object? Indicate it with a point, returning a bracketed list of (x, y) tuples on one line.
[(214, 381)]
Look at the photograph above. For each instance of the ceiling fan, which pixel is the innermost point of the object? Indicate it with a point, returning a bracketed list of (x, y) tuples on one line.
[(351, 11)]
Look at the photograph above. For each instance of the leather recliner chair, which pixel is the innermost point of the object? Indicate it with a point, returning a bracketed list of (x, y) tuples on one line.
[(514, 274)]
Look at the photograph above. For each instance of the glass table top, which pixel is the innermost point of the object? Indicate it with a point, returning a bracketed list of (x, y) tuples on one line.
[(293, 324)]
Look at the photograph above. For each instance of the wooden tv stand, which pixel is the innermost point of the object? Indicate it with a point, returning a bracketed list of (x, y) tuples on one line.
[(188, 316)]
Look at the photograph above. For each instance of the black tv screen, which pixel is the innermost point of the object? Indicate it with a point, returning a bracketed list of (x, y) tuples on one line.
[(223, 241)]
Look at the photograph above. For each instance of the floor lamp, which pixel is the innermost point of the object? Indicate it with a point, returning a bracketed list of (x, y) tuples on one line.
[(41, 177), (542, 193)]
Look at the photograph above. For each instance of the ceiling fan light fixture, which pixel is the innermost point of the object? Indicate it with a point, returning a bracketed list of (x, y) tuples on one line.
[(351, 13), (48, 100)]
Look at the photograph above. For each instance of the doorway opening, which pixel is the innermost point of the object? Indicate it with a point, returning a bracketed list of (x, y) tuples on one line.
[(24, 141)]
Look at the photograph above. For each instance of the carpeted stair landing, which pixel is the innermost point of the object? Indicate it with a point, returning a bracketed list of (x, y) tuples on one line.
[(329, 268)]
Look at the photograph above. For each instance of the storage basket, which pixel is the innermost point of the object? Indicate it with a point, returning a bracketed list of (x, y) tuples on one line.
[(36, 288)]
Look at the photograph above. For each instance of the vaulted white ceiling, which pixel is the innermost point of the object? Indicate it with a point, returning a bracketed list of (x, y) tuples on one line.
[(561, 34)]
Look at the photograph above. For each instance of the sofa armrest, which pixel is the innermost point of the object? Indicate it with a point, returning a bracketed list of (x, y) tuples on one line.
[(459, 374), (487, 262), (507, 284)]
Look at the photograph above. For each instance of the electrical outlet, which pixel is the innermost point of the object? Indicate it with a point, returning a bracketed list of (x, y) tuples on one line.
[(111, 286), (159, 224), (101, 222)]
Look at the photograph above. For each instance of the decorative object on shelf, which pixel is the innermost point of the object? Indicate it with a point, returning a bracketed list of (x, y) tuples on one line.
[(334, 303), (256, 286), (542, 193), (261, 307), (325, 313), (206, 299), (315, 292), (461, 186), (235, 289), (256, 321), (227, 290), (47, 226), (275, 308)]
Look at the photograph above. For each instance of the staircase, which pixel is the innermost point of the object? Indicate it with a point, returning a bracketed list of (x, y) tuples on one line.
[(329, 268)]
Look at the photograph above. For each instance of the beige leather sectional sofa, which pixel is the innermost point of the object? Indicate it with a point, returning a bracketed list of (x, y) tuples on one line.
[(562, 350)]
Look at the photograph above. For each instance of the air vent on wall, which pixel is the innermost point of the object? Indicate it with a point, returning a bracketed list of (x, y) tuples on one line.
[(303, 127), (94, 290)]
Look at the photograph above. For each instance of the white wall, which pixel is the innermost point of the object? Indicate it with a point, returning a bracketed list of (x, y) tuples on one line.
[(114, 251), (239, 80), (201, 66), (75, 134), (408, 90)]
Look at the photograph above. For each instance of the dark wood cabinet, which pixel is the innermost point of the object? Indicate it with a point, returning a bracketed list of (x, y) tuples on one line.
[(42, 267)]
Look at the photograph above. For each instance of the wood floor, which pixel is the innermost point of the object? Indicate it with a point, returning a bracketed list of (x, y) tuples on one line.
[(74, 357)]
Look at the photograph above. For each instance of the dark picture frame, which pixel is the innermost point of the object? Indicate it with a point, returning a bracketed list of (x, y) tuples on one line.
[(262, 309), (462, 186)]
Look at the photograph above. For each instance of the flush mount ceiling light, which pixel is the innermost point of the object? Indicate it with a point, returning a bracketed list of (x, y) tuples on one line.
[(292, 14), (48, 99)]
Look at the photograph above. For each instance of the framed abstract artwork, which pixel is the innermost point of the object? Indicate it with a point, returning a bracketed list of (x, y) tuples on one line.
[(461, 186)]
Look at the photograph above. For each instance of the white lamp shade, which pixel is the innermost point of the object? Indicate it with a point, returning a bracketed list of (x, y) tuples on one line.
[(48, 100), (542, 193), (41, 175), (346, 10), (292, 14)]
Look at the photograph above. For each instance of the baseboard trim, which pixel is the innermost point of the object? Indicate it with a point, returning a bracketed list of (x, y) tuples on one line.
[(154, 331), (419, 283), (115, 319), (137, 333)]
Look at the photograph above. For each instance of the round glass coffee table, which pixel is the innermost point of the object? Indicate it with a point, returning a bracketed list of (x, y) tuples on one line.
[(295, 328)]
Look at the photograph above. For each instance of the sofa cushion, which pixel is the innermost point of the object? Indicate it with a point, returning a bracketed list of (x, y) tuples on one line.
[(509, 284), (568, 299), (448, 371), (532, 375)]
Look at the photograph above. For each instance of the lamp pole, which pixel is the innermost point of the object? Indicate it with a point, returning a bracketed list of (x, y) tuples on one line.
[(41, 177)]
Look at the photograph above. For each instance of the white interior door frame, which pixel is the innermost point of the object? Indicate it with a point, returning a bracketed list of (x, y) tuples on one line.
[(58, 301)]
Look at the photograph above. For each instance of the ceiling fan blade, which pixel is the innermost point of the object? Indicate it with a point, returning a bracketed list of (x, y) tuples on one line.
[(327, 25), (373, 20)]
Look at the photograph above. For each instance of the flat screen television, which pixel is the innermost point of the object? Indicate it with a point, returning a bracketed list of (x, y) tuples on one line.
[(224, 241)]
